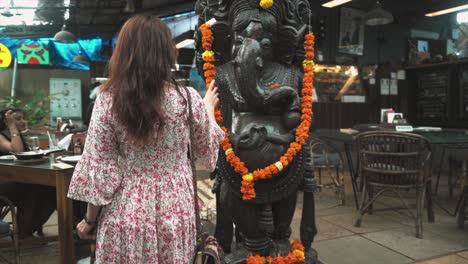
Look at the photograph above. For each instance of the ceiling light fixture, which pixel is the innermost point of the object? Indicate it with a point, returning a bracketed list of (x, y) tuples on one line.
[(378, 16), (64, 36), (335, 3), (462, 17), (129, 7), (446, 11), (80, 58), (6, 12)]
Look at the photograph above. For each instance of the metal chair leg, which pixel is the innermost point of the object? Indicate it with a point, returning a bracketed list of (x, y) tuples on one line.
[(442, 156), (371, 196), (419, 209), (361, 207), (320, 176), (462, 209), (449, 180)]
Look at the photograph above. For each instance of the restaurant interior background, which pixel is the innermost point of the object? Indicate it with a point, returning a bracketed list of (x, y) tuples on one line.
[(416, 65), (54, 52)]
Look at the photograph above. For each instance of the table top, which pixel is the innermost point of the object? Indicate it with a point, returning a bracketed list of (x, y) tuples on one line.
[(46, 165), (443, 137)]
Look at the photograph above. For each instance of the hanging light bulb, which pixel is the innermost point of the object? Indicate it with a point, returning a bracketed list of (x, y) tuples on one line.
[(378, 16), (129, 7)]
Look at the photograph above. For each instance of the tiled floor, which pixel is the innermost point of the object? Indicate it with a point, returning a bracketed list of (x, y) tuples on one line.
[(385, 237), (388, 236)]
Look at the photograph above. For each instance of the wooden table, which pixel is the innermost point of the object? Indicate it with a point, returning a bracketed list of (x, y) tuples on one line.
[(45, 174)]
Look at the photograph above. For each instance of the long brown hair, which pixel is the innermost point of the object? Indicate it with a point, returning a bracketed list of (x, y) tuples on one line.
[(138, 69)]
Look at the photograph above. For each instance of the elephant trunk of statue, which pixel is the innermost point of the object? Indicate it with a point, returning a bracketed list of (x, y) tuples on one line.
[(251, 70)]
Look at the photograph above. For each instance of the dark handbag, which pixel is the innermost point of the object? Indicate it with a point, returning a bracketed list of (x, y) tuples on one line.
[(208, 249)]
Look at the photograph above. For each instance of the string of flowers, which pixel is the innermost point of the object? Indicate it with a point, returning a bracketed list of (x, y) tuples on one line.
[(296, 255), (265, 4), (302, 131)]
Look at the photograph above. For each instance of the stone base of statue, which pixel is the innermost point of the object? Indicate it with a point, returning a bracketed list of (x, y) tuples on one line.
[(240, 254)]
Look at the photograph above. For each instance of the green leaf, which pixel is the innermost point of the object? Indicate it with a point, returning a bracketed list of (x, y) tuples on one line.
[(35, 111)]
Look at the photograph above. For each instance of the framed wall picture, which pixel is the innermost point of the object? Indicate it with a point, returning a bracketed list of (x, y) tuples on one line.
[(351, 38)]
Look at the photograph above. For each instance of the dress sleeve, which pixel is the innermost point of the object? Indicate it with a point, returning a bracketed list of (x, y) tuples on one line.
[(97, 175), (207, 134)]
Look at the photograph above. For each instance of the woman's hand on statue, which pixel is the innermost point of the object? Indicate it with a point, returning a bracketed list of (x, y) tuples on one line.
[(211, 97), (10, 118), (84, 230)]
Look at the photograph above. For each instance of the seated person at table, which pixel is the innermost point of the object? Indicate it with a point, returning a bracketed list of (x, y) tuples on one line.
[(35, 203)]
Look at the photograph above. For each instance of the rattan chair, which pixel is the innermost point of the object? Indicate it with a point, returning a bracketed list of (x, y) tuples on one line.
[(326, 157), (9, 229), (393, 161), (458, 167)]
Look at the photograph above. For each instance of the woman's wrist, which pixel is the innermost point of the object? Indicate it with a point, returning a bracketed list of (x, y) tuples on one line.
[(89, 221), (14, 132)]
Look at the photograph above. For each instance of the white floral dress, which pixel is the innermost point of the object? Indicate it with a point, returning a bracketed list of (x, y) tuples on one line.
[(146, 193)]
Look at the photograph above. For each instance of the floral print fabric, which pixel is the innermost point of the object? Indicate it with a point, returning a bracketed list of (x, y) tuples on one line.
[(146, 192)]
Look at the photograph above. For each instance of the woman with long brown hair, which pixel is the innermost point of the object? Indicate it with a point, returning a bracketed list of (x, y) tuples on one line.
[(134, 168)]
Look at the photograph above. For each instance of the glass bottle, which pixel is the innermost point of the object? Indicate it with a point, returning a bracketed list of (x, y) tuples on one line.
[(59, 123), (78, 147)]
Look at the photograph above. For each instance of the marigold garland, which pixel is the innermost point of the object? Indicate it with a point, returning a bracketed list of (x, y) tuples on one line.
[(302, 131), (296, 255), (265, 4)]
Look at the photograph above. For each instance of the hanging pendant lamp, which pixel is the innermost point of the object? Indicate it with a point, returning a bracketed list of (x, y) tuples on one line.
[(64, 36), (6, 12), (378, 16), (80, 58)]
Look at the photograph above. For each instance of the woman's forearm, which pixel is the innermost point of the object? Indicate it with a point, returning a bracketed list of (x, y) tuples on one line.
[(211, 114), (16, 144), (92, 212)]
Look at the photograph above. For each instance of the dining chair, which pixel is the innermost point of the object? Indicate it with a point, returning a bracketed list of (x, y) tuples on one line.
[(326, 157), (394, 161), (458, 175), (9, 229), (458, 169)]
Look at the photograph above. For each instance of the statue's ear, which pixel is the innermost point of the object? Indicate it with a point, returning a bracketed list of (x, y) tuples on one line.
[(222, 41), (288, 38)]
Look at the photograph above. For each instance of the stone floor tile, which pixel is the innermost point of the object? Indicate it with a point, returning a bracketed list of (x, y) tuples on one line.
[(334, 209), (463, 254), (326, 230), (52, 219), (370, 223), (356, 249), (451, 259), (449, 230), (404, 241)]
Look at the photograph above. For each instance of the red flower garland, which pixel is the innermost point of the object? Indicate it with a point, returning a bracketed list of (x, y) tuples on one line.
[(302, 131)]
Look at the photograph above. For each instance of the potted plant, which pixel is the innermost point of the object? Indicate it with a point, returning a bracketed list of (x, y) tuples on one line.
[(35, 111)]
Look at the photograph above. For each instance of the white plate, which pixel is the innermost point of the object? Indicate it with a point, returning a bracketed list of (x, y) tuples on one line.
[(7, 158), (30, 153), (71, 158)]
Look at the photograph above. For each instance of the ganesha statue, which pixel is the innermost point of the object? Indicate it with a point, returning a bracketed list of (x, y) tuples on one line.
[(255, 51)]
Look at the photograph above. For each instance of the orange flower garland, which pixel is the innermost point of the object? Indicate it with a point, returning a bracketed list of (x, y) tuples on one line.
[(295, 256), (302, 131)]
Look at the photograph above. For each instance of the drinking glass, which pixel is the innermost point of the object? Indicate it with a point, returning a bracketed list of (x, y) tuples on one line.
[(53, 142), (33, 143)]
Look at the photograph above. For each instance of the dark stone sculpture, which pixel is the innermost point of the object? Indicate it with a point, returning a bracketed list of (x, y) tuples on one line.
[(259, 55)]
